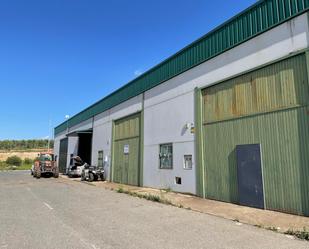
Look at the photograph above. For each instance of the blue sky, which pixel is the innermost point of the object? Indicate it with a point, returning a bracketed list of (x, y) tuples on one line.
[(59, 56)]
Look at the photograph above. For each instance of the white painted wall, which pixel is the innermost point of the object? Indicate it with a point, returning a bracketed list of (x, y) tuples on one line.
[(170, 106), (102, 129), (85, 125), (165, 122), (72, 148), (57, 144)]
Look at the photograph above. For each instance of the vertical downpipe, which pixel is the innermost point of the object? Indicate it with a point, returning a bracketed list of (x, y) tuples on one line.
[(92, 154), (199, 158), (111, 168), (141, 159)]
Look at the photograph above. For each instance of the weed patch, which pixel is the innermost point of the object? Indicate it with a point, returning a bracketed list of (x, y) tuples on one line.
[(304, 234), (120, 190), (148, 197), (274, 229)]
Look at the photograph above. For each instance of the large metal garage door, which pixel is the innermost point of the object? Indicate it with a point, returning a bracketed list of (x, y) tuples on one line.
[(268, 107), (126, 150), (63, 155)]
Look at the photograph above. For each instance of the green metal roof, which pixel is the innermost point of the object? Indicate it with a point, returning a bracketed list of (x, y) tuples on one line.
[(253, 21)]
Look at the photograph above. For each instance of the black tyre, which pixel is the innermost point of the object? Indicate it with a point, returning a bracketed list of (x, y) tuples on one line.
[(38, 174), (96, 177), (91, 177), (56, 173)]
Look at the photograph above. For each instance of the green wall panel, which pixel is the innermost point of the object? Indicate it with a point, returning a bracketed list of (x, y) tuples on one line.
[(259, 18), (126, 166), (278, 86), (268, 106), (127, 127), (284, 140)]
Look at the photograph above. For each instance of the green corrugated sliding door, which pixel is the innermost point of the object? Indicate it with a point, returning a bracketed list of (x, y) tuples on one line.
[(268, 107), (126, 150)]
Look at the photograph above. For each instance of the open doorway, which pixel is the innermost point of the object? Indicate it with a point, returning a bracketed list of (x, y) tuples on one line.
[(85, 146)]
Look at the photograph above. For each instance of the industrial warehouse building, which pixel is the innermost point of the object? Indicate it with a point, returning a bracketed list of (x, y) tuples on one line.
[(226, 118)]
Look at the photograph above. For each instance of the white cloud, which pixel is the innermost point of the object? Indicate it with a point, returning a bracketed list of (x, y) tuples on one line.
[(138, 72)]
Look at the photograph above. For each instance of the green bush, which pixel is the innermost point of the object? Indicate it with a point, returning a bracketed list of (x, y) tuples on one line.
[(28, 161), (14, 160)]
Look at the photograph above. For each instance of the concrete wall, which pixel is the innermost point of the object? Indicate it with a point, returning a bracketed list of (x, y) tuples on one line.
[(57, 143), (165, 122), (170, 106)]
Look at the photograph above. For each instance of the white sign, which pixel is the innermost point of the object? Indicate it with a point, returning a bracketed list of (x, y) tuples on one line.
[(126, 149)]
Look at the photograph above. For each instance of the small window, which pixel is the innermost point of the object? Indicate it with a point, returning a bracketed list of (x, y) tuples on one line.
[(100, 158), (178, 180), (187, 162), (166, 156)]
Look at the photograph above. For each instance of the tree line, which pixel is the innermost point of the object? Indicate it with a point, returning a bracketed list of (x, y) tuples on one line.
[(25, 144)]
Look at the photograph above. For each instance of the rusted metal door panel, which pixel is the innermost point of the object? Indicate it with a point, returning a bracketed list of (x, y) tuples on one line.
[(275, 87)]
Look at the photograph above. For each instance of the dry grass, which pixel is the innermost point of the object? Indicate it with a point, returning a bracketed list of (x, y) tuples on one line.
[(21, 154)]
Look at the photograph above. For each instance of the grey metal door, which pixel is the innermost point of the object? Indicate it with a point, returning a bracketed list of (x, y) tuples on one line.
[(249, 175)]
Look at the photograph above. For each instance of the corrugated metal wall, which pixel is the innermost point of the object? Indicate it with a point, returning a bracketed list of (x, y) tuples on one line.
[(63, 154), (275, 87), (259, 18), (126, 166), (270, 107)]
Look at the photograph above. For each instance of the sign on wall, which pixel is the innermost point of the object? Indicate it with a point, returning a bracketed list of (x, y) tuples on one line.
[(126, 149)]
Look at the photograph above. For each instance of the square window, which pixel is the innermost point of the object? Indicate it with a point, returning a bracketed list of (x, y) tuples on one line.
[(166, 156), (100, 158), (187, 162)]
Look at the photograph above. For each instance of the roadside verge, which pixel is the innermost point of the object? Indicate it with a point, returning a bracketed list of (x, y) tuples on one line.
[(275, 221)]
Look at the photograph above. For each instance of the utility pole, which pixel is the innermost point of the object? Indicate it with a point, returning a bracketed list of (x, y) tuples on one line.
[(49, 133)]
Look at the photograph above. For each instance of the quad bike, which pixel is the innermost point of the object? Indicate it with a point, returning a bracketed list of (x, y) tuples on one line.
[(92, 173), (45, 165)]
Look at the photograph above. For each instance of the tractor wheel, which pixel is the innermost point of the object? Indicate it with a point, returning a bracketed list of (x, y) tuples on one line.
[(38, 174), (91, 177), (56, 173)]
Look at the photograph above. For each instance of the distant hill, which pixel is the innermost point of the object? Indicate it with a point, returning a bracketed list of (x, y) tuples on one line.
[(25, 145)]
